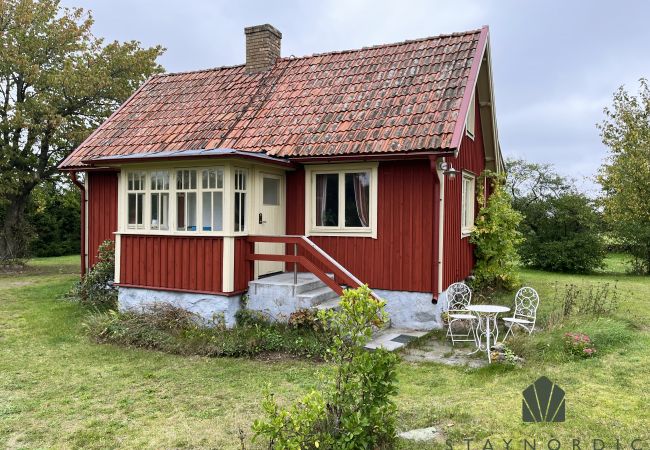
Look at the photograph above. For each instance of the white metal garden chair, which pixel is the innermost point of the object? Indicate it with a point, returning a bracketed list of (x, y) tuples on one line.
[(526, 302), (459, 297)]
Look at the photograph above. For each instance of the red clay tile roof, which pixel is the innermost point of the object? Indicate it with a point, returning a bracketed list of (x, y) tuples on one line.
[(390, 98)]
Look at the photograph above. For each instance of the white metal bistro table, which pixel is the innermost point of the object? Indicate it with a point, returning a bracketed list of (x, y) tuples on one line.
[(487, 325)]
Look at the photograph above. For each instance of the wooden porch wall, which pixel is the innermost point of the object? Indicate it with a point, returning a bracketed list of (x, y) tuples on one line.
[(102, 211), (401, 258), (458, 252), (191, 263)]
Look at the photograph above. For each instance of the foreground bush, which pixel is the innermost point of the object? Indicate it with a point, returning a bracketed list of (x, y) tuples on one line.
[(354, 409), (96, 288), (161, 326)]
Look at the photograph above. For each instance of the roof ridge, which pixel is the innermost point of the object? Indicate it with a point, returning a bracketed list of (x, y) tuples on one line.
[(333, 52)]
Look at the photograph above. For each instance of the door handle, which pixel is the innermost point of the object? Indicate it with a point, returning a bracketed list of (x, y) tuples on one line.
[(260, 219)]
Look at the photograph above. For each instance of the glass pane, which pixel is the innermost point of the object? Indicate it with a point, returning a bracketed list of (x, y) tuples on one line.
[(191, 210), (131, 209), (154, 211), (219, 179), (192, 179), (237, 211), (180, 210), (139, 209), (206, 215), (204, 179), (357, 199), (179, 179), (327, 200), (164, 210), (270, 191), (242, 209), (217, 210)]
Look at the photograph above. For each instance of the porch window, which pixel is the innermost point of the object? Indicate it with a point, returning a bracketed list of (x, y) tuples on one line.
[(186, 194), (212, 199), (240, 200), (467, 203), (344, 200), (159, 195), (135, 199)]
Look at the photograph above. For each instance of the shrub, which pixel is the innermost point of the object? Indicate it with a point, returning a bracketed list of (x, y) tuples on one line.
[(593, 300), (562, 234), (164, 327), (96, 288), (354, 410), (250, 317), (579, 344), (496, 238), (305, 318)]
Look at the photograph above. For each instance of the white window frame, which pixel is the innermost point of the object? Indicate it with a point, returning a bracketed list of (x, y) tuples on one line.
[(470, 123), (467, 208), (151, 191), (187, 191), (311, 229), (145, 228), (239, 189), (212, 192), (143, 181)]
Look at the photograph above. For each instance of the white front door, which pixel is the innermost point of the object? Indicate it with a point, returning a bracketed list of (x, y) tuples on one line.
[(269, 219)]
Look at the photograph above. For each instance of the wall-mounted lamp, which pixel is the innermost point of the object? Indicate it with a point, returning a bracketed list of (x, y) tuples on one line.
[(448, 170)]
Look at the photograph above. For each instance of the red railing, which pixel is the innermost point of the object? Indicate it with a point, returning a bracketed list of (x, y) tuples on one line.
[(308, 248)]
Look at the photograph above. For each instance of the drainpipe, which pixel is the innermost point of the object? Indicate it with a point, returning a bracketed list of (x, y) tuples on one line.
[(82, 188), (438, 225)]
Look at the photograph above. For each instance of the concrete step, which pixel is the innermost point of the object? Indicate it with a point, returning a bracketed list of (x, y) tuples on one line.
[(316, 296), (284, 282), (329, 304)]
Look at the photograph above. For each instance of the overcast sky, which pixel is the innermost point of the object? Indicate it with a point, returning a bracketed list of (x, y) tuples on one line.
[(556, 63)]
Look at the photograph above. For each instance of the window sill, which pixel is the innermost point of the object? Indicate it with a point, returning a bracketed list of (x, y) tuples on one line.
[(143, 232), (344, 233), (467, 232)]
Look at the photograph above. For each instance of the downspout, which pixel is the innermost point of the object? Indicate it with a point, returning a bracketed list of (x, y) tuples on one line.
[(438, 225), (84, 252)]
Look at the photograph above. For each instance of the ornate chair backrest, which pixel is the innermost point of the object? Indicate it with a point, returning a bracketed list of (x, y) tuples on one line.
[(459, 297), (526, 302)]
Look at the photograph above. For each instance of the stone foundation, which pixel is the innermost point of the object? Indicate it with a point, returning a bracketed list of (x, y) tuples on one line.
[(412, 310), (207, 306)]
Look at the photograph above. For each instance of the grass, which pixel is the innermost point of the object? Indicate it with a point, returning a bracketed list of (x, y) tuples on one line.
[(58, 389)]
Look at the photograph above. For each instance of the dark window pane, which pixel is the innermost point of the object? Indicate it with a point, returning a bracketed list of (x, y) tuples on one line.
[(270, 191), (132, 209), (180, 210), (357, 199), (327, 200), (237, 218), (139, 208), (155, 220)]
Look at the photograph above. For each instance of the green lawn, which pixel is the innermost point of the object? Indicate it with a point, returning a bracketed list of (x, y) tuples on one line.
[(60, 390)]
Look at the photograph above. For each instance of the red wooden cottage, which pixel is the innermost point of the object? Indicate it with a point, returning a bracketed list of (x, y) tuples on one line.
[(347, 167)]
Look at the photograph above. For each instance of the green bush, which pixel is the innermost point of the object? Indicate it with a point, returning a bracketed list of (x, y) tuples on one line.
[(496, 238), (562, 234), (161, 326), (96, 288), (354, 410)]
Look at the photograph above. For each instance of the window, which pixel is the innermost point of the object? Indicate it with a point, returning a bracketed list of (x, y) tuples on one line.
[(240, 200), (159, 195), (135, 199), (467, 203), (471, 119), (186, 192), (270, 191), (343, 201), (212, 199)]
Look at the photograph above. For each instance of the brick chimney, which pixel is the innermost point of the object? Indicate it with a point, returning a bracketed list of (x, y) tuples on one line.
[(262, 47)]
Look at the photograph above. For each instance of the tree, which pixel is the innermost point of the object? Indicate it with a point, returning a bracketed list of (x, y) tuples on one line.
[(57, 83), (562, 234), (497, 237), (625, 175), (528, 182)]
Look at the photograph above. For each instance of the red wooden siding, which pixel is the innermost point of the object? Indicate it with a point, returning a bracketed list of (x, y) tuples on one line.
[(458, 259), (401, 257), (102, 210), (242, 267), (172, 262)]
